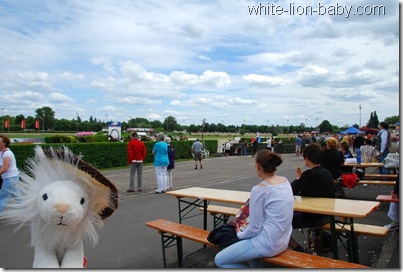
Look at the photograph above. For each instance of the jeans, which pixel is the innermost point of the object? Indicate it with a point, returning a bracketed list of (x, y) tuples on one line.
[(234, 256), (393, 212), (161, 173), (136, 167), (383, 170), (7, 191)]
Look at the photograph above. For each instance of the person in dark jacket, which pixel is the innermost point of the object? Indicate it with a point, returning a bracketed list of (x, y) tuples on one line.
[(171, 158), (358, 141), (314, 182), (333, 160)]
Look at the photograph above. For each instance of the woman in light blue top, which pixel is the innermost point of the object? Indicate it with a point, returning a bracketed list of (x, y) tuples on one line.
[(161, 161), (271, 208)]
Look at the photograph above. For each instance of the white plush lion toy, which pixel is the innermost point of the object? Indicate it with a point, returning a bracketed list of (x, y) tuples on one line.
[(64, 200)]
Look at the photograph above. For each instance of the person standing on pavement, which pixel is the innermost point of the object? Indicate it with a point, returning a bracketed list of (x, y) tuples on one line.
[(268, 144), (383, 144), (254, 147), (136, 154), (161, 161), (228, 148), (171, 165), (197, 150), (8, 171), (298, 145), (271, 207)]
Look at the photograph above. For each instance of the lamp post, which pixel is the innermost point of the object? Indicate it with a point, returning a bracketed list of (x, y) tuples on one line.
[(2, 123), (268, 126), (360, 115)]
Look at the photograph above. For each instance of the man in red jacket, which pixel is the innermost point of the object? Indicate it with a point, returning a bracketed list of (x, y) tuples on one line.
[(136, 154)]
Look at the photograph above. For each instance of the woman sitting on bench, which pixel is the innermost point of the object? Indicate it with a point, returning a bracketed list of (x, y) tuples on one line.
[(269, 226)]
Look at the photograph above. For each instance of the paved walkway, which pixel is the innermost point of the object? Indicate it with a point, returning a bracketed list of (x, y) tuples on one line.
[(125, 242)]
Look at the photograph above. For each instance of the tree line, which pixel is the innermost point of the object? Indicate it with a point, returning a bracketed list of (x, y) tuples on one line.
[(44, 120)]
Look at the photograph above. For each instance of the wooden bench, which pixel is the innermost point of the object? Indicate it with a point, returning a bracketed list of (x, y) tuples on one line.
[(389, 176), (361, 229), (370, 182), (375, 182), (170, 231), (387, 198), (221, 214)]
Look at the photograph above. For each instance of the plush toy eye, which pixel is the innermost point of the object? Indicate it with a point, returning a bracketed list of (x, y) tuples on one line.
[(82, 201), (45, 197)]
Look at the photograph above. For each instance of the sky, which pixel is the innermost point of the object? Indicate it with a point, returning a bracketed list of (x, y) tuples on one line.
[(226, 61)]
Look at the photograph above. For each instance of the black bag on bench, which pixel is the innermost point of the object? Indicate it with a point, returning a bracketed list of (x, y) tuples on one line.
[(223, 236)]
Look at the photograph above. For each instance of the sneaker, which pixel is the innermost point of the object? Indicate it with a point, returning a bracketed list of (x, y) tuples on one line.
[(196, 167), (391, 228), (130, 191), (201, 166)]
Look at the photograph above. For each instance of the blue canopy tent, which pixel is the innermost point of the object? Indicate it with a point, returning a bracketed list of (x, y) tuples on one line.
[(351, 130)]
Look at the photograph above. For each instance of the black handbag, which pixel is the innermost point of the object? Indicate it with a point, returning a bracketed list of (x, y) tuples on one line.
[(223, 236)]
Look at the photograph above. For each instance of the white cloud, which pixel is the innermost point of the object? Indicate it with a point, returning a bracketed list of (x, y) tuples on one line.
[(60, 98), (262, 80)]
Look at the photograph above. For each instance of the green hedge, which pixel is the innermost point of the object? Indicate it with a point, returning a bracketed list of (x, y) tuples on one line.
[(109, 154)]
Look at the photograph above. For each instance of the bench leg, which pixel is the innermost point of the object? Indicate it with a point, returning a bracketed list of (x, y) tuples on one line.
[(350, 240), (169, 241), (179, 247)]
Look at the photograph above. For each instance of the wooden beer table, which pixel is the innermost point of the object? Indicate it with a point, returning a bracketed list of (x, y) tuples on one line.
[(364, 164), (347, 209)]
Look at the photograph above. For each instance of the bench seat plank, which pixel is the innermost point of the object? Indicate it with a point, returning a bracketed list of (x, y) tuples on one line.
[(188, 232), (294, 259), (387, 198), (372, 182), (363, 229), (376, 182), (288, 258), (380, 176), (215, 209)]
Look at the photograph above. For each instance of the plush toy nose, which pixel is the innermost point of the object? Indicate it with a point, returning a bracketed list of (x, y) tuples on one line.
[(62, 207)]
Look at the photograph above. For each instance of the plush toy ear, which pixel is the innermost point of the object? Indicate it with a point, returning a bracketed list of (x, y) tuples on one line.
[(104, 206)]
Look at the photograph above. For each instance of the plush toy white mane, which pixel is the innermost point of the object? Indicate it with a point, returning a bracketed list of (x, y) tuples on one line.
[(64, 205)]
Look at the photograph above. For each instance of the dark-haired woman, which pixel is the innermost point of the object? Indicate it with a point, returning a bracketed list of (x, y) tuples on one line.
[(271, 207)]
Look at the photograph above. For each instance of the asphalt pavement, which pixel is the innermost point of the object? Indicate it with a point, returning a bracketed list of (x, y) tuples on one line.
[(126, 243)]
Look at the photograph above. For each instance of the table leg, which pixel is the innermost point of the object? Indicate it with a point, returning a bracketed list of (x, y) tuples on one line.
[(354, 242), (334, 238), (205, 214)]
